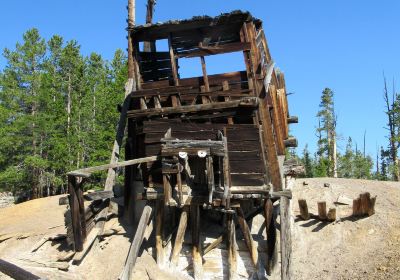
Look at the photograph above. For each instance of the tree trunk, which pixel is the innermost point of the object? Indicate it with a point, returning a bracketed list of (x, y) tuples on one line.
[(334, 160)]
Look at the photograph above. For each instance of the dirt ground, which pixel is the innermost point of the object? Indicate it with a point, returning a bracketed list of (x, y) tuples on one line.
[(366, 248)]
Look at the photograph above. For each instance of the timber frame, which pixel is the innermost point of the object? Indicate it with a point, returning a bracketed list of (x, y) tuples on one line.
[(214, 142)]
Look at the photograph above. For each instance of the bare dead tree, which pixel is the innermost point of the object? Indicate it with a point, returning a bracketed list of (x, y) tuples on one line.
[(150, 46), (391, 114)]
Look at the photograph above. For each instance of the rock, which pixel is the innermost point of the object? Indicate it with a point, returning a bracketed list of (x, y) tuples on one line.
[(6, 199)]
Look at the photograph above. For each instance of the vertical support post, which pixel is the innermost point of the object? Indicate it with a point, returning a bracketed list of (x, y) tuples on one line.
[(227, 175), (77, 209), (270, 233), (210, 177), (174, 99), (196, 242), (180, 235), (225, 87), (286, 235), (167, 190), (159, 232), (204, 99), (180, 191), (231, 245)]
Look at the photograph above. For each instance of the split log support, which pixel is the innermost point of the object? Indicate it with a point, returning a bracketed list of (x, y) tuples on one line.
[(180, 235), (251, 245), (136, 244)]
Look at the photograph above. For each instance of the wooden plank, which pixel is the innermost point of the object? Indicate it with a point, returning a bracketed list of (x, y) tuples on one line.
[(244, 146), (153, 56), (78, 257), (136, 244), (16, 272), (98, 195), (180, 235), (247, 179), (213, 50), (276, 121), (243, 102), (248, 156), (256, 166), (156, 75), (86, 172), (217, 79), (196, 242)]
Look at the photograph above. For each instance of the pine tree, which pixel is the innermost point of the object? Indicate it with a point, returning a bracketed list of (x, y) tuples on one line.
[(346, 169), (327, 132), (308, 164)]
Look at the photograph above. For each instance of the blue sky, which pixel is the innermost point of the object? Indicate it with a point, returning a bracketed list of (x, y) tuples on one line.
[(343, 44)]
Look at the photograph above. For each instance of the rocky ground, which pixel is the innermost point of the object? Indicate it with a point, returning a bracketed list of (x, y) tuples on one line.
[(366, 248), (6, 199)]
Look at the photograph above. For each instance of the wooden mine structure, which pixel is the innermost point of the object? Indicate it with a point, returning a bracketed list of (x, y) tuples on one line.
[(214, 143)]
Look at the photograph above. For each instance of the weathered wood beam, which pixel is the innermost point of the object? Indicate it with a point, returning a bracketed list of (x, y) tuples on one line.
[(231, 246), (213, 50), (136, 244), (243, 102), (290, 142), (99, 195), (286, 234), (159, 232), (86, 172), (196, 242), (293, 119), (180, 235), (15, 272), (251, 244)]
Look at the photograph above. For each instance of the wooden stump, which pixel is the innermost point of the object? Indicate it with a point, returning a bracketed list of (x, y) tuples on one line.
[(371, 209), (364, 205), (303, 209), (357, 207), (322, 210), (331, 215)]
